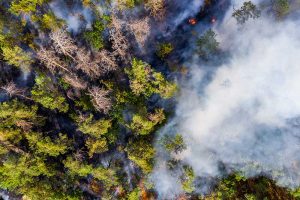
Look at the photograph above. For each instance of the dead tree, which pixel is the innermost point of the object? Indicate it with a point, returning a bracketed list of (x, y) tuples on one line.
[(120, 44), (106, 60), (100, 99), (51, 60), (63, 43), (156, 8), (12, 90), (74, 81), (85, 63), (141, 30)]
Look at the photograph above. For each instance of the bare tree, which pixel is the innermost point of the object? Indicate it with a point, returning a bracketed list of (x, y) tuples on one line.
[(12, 90), (63, 43), (120, 44), (50, 60), (74, 81), (85, 62), (100, 99), (157, 8), (141, 30), (106, 60)]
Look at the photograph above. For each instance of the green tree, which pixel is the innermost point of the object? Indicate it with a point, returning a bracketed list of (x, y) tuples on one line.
[(142, 153), (135, 194), (77, 167), (16, 56), (20, 170), (164, 50), (145, 81), (106, 176), (15, 117), (247, 11), (144, 123), (46, 145), (97, 132), (95, 128), (187, 179), (51, 189), (94, 36), (281, 7), (47, 94), (173, 143), (50, 21), (96, 145), (24, 6), (207, 44)]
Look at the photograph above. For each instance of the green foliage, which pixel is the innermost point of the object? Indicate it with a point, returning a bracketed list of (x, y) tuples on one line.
[(50, 21), (187, 179), (51, 189), (107, 176), (135, 194), (281, 7), (85, 103), (164, 50), (145, 81), (250, 197), (24, 6), (143, 124), (164, 88), (78, 168), (247, 11), (45, 93), (95, 128), (173, 143), (236, 186), (296, 193), (94, 36), (45, 145), (96, 145), (207, 44), (18, 171), (141, 152), (16, 56), (16, 117)]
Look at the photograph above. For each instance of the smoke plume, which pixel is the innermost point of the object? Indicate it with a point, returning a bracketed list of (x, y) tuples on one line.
[(244, 113)]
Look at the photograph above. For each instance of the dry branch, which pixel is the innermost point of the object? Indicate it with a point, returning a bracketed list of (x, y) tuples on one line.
[(100, 99), (63, 43)]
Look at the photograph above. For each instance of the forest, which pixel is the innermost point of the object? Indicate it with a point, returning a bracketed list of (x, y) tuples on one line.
[(88, 89)]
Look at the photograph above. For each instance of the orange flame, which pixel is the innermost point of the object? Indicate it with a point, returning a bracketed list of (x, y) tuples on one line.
[(192, 21)]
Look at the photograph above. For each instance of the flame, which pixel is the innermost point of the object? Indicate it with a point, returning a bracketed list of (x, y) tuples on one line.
[(192, 21)]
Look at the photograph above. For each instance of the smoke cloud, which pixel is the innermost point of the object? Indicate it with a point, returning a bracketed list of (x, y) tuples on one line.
[(244, 113), (76, 16)]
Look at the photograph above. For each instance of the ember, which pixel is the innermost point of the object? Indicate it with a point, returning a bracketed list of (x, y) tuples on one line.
[(192, 21), (213, 20)]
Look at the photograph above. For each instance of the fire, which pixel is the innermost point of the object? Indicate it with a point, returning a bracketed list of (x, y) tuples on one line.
[(192, 21)]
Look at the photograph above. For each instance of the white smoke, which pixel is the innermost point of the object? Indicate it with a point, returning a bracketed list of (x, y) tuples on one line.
[(248, 116), (73, 16)]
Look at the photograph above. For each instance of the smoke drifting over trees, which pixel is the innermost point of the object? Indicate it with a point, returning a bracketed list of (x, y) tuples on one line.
[(244, 117)]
